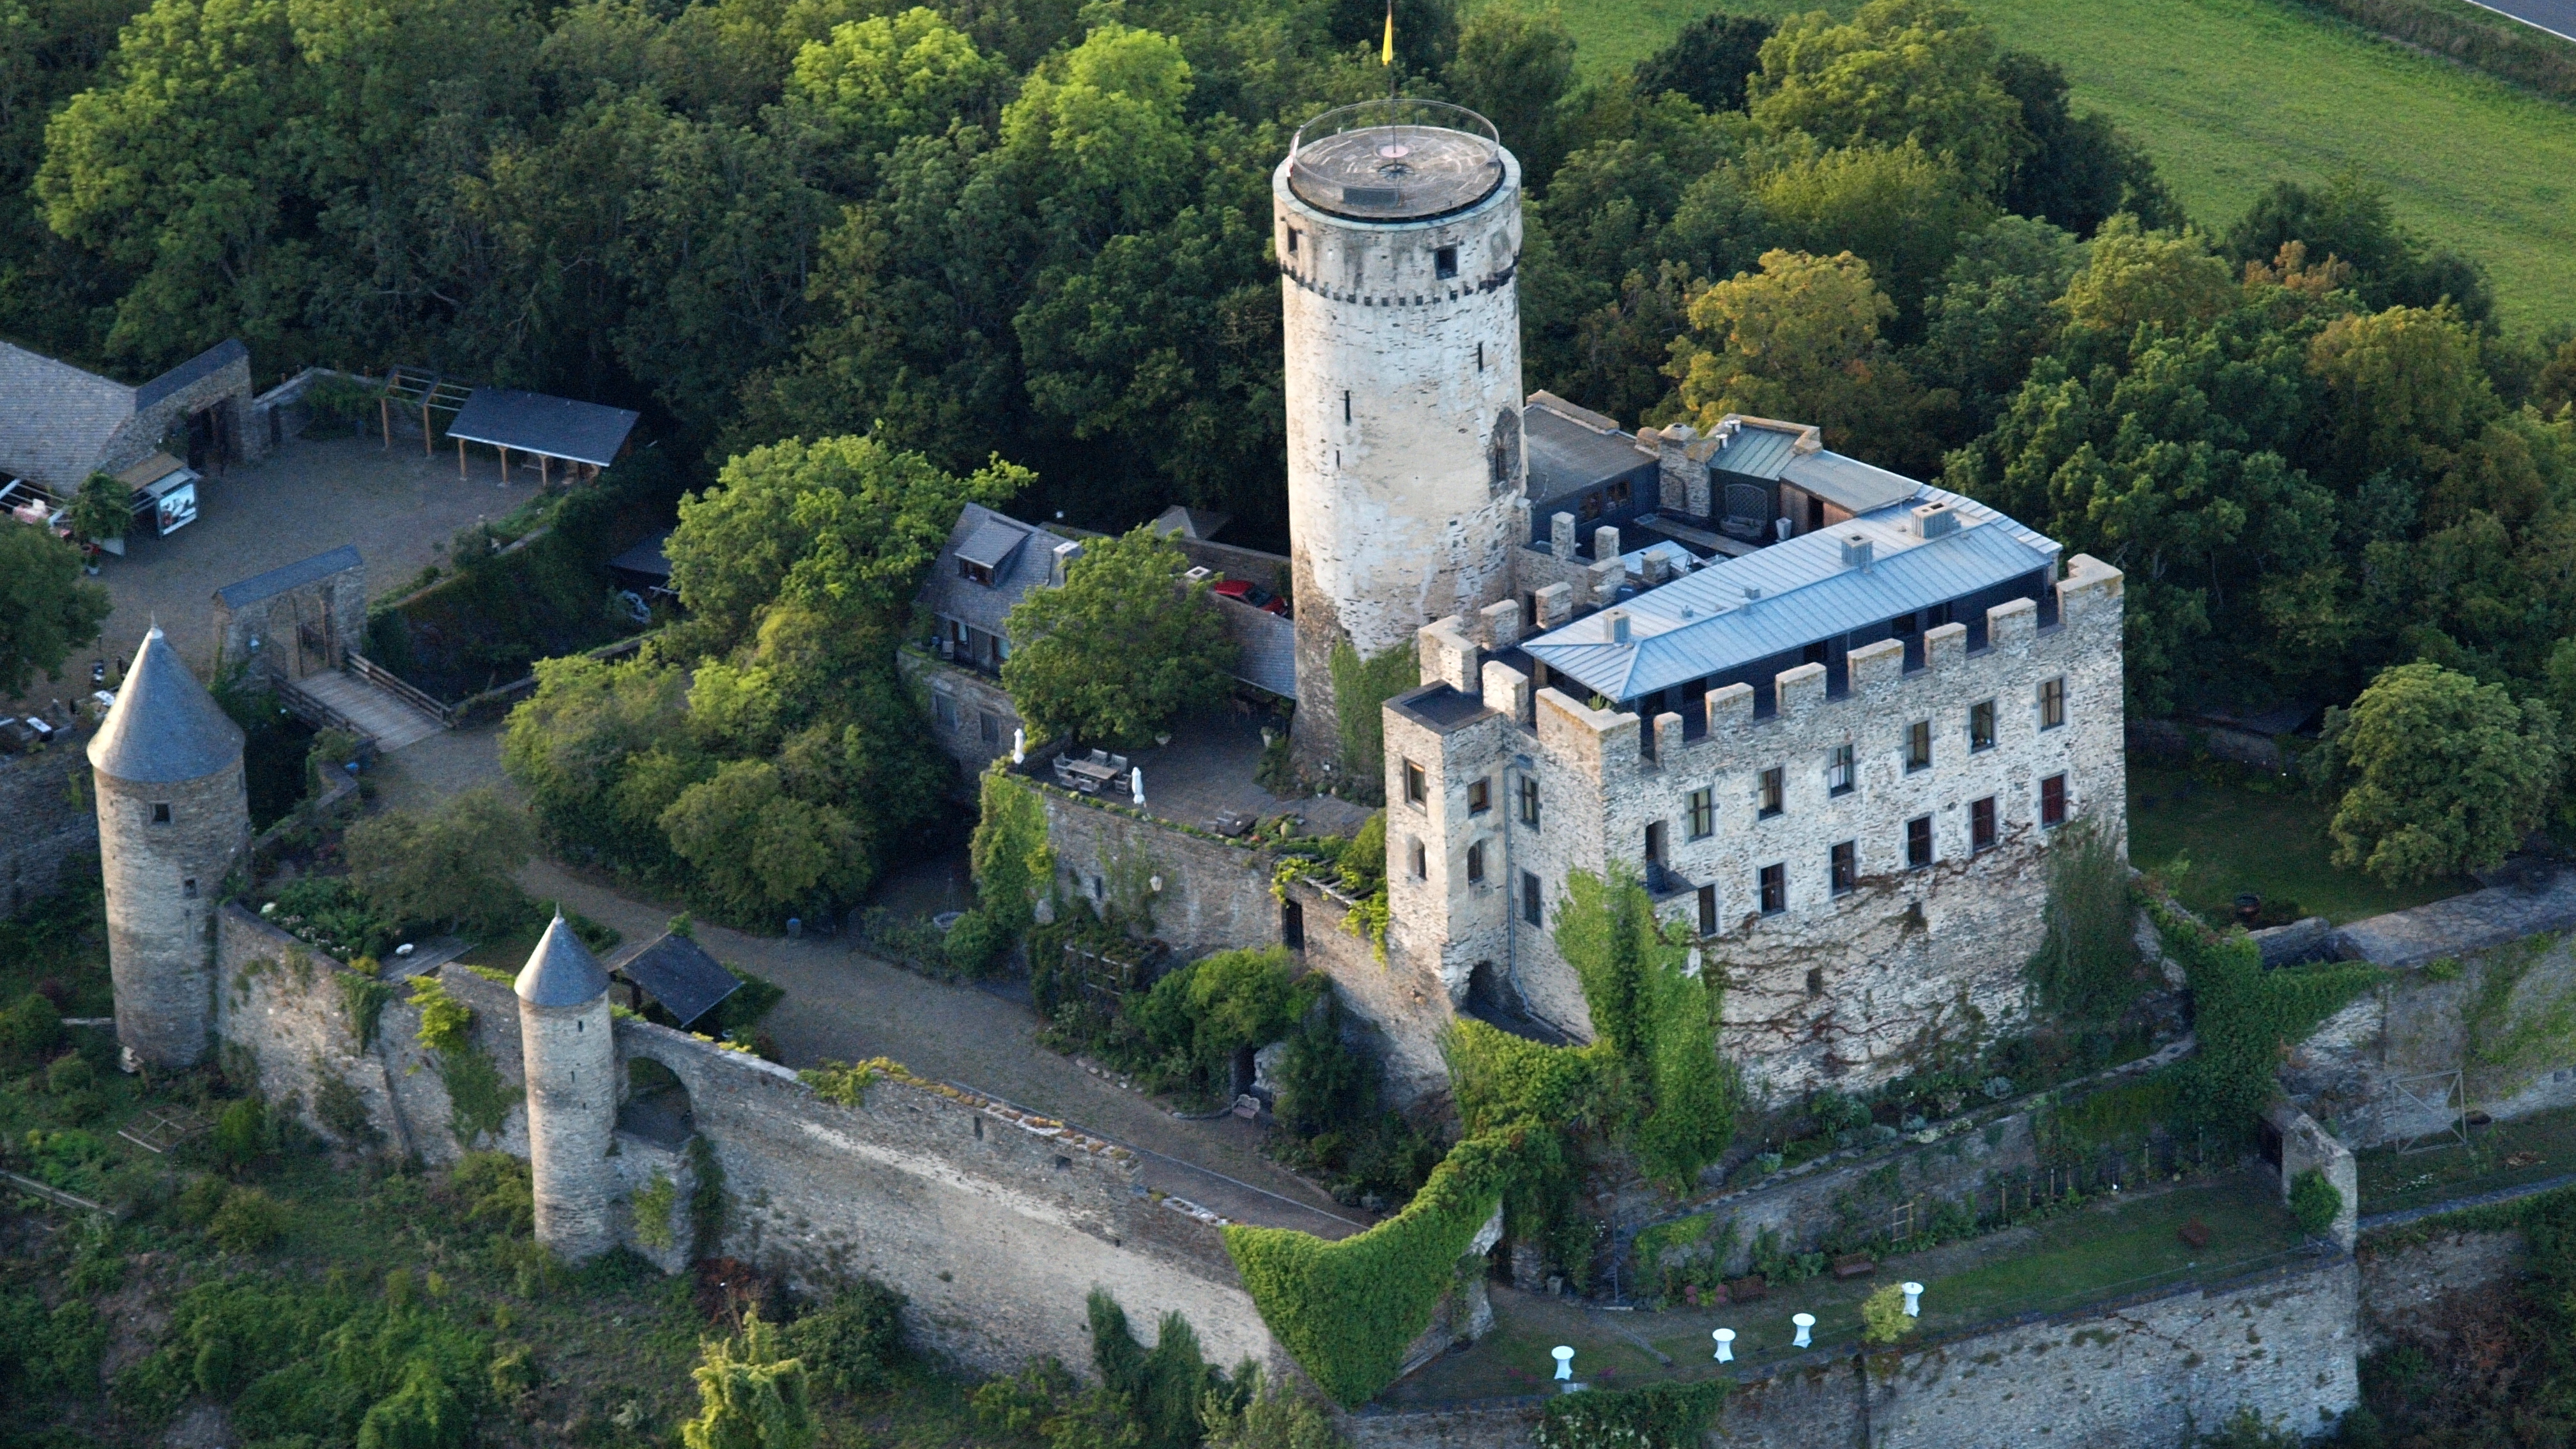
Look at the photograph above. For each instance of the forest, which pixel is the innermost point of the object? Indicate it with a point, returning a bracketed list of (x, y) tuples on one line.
[(1016, 250)]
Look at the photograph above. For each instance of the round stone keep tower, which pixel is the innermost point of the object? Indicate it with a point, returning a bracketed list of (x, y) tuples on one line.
[(569, 1051), (1398, 230), (173, 817)]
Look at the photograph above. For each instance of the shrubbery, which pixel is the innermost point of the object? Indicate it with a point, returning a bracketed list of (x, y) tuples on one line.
[(850, 1342)]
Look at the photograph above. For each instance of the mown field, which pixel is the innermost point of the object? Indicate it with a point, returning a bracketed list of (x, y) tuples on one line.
[(2231, 94)]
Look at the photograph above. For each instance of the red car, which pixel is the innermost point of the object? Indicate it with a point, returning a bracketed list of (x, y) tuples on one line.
[(1243, 591)]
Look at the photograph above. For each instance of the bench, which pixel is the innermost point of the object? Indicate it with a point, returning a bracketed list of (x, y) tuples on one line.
[(1854, 1265), (2195, 1234), (1749, 1289)]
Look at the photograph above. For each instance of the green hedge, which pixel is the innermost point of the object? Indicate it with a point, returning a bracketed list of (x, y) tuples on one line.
[(2245, 1015), (1347, 1310)]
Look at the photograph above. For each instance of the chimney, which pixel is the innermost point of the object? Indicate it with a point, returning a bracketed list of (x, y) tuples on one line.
[(1065, 553), (1935, 520), (1855, 551), (1618, 626)]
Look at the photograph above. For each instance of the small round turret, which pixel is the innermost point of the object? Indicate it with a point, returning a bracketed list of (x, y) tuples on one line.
[(173, 817), (569, 1051)]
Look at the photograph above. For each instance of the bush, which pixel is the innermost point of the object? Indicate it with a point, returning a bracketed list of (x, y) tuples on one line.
[(1659, 1416), (849, 1343), (2314, 1202), (201, 1199), (452, 867), (1883, 1317), (976, 944), (70, 1072), (241, 1134), (330, 912), (249, 1220), (751, 1394), (29, 1032), (46, 1353)]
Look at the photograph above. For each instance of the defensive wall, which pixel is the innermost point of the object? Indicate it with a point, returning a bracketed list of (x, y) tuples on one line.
[(995, 1222), (45, 797), (2148, 1372)]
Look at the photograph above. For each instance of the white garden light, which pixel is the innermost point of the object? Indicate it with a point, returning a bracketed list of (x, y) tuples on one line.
[(1804, 1321)]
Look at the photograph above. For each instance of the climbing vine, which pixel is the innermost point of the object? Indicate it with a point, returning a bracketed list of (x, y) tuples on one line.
[(1361, 687), (2244, 1015), (1346, 1310), (1013, 863), (1657, 1416), (479, 1099), (653, 1204), (1653, 1081), (2509, 1037), (365, 998)]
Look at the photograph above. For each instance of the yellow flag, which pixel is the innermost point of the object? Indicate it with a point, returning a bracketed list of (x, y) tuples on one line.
[(1386, 53)]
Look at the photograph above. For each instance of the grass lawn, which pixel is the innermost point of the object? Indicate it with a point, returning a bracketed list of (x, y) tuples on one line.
[(2231, 95), (2504, 1154), (2110, 1249), (2241, 840)]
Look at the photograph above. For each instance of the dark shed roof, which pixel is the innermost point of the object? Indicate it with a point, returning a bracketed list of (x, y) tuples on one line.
[(165, 727), (294, 576), (204, 365), (646, 557), (533, 422), (677, 972)]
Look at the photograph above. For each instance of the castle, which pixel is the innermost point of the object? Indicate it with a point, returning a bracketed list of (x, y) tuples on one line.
[(1830, 716)]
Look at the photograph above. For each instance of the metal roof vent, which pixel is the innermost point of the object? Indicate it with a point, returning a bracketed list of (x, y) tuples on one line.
[(1855, 551), (1935, 520), (1618, 626), (1752, 592)]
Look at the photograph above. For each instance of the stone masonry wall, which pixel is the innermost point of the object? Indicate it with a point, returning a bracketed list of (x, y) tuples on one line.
[(1215, 894), (1394, 1008), (2409, 1290), (1023, 1216), (334, 605), (959, 702), (2505, 1016), (45, 797), (2146, 1373), (1844, 989)]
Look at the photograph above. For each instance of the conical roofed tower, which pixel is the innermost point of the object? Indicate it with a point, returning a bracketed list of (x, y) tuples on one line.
[(568, 1047), (173, 819)]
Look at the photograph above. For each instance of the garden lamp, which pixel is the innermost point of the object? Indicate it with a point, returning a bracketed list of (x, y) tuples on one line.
[(1564, 1356), (1913, 1299), (1136, 782), (1725, 1344), (1019, 747), (1804, 1321)]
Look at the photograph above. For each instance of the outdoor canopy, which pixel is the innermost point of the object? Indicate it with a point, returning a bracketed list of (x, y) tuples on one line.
[(553, 427)]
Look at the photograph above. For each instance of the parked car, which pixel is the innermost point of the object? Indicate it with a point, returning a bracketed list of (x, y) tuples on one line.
[(1246, 592)]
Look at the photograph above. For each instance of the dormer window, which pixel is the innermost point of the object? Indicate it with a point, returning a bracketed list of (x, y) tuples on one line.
[(967, 568), (1619, 494)]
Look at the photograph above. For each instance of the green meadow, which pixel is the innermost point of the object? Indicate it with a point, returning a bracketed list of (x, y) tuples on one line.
[(2232, 94)]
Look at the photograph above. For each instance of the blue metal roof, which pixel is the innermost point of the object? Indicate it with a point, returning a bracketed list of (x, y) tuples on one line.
[(1782, 598)]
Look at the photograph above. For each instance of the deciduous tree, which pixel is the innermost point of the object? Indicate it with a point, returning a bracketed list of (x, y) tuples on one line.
[(2443, 774), (47, 609), (1124, 648)]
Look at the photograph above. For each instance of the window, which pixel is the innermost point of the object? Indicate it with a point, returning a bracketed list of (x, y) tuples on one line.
[(1815, 981), (188, 888), (1708, 910), (1480, 796), (1475, 863), (1981, 726), (1772, 790), (1918, 746), (160, 812), (1774, 882), (1444, 263), (1839, 775), (992, 728), (1620, 494), (1292, 241), (1981, 824), (1591, 507), (2052, 703), (1703, 814), (2052, 802), (946, 709), (1530, 902), (1416, 789), (1480, 357), (1346, 406), (1529, 801), (1904, 625), (1845, 860), (1421, 862), (1918, 842)]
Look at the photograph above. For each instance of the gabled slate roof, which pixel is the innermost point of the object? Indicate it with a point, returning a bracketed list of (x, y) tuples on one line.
[(677, 972), (1734, 613), (164, 727), (295, 575), (1025, 553)]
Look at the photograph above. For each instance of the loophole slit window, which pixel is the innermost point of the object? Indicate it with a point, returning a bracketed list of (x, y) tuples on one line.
[(1421, 862)]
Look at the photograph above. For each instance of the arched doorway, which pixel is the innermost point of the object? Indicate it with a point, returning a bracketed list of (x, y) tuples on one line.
[(656, 1107)]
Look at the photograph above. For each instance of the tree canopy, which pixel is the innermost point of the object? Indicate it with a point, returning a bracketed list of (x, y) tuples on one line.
[(47, 609), (1124, 648), (2446, 774)]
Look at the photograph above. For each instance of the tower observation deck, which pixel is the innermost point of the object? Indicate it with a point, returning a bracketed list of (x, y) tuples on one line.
[(1395, 161)]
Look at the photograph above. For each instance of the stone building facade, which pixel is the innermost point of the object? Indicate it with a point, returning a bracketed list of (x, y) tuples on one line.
[(59, 424), (305, 618)]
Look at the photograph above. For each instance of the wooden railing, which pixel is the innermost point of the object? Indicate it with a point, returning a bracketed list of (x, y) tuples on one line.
[(394, 684)]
